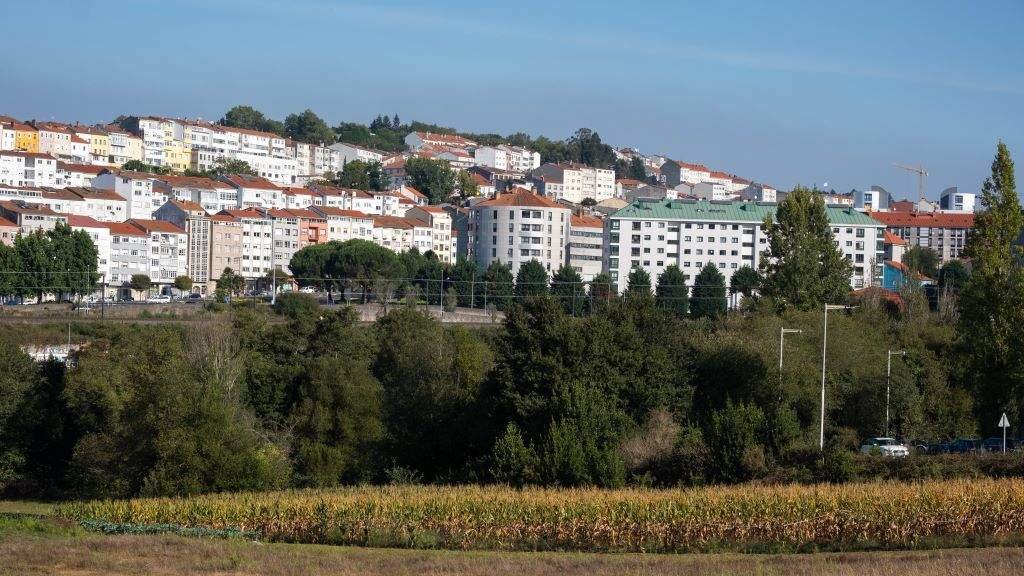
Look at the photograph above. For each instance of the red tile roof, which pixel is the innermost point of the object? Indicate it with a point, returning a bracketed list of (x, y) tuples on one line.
[(628, 182), (124, 229), (26, 154), (521, 197), (335, 211), (84, 221), (194, 182), (187, 205), (246, 181), (893, 239), (395, 222), (83, 168), (95, 193), (304, 213), (925, 219), (580, 221), (155, 226), (242, 213), (450, 139), (27, 208)]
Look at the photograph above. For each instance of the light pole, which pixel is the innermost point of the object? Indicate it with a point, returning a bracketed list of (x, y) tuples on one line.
[(888, 382), (824, 350), (782, 339), (273, 263)]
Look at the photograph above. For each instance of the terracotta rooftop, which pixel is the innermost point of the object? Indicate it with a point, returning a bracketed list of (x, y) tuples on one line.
[(925, 219), (155, 226), (580, 221), (83, 168), (193, 182), (84, 221), (246, 181), (335, 211), (124, 229), (521, 197)]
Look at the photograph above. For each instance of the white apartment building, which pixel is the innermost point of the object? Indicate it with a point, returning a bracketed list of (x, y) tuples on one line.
[(440, 223), (255, 191), (298, 197), (953, 200), (30, 217), (156, 135), (124, 146), (167, 250), (585, 249), (136, 188), (129, 254), (76, 174), (285, 232), (505, 157), (257, 242), (100, 234), (677, 172), (519, 226), (99, 204), (574, 182), (212, 195), (349, 152), (401, 234), (343, 225), (61, 142), (690, 233), (194, 220), (28, 169)]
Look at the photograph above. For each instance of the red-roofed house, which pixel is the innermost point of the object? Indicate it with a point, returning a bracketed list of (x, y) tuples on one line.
[(196, 222), (312, 226), (100, 234), (135, 187), (256, 191), (417, 140), (212, 195), (77, 174), (295, 197), (401, 234), (8, 231), (129, 255), (30, 217)]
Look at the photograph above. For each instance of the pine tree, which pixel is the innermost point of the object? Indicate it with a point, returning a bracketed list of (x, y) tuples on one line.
[(708, 299), (638, 284), (567, 288), (531, 280), (672, 293)]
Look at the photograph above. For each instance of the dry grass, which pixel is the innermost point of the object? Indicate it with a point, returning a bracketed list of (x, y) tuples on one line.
[(96, 555)]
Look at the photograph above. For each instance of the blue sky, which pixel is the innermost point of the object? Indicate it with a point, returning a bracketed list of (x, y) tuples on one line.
[(781, 92)]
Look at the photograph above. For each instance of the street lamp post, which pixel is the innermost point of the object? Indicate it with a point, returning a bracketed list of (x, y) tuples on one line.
[(888, 383), (782, 339), (824, 350)]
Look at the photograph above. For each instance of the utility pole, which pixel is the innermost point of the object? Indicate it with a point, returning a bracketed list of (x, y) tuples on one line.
[(921, 173), (824, 350), (782, 339)]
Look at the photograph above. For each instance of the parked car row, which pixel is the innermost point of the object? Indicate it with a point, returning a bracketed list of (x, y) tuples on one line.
[(891, 447)]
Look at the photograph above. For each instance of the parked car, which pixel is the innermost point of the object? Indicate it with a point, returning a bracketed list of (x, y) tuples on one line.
[(159, 299), (939, 448), (965, 445), (193, 298), (307, 290), (885, 447), (995, 444), (127, 298)]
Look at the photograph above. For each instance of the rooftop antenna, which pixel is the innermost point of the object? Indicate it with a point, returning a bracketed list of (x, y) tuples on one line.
[(921, 173)]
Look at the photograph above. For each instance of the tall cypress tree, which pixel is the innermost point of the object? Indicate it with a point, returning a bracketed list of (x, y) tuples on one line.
[(672, 293), (803, 266), (708, 293), (992, 302)]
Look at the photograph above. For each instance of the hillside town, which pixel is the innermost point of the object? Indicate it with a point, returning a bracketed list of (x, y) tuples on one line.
[(171, 197)]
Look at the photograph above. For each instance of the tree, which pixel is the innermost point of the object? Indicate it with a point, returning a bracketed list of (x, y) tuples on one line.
[(672, 293), (466, 186), (230, 283), (251, 119), (638, 284), (183, 283), (922, 259), (309, 128), (362, 176), (140, 166), (435, 178), (637, 171), (708, 300), (531, 280), (73, 258), (463, 279), (745, 281), (602, 291), (140, 283), (953, 277), (586, 147), (567, 288), (498, 286), (802, 266), (992, 302), (224, 166)]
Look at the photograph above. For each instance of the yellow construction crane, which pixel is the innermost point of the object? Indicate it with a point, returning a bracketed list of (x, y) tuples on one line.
[(921, 173)]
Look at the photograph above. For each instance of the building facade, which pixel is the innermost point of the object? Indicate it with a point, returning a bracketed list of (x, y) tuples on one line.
[(519, 226)]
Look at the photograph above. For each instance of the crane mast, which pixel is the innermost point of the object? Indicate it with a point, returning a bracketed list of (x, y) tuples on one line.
[(921, 173)]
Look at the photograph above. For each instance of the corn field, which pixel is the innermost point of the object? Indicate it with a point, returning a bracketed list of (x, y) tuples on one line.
[(853, 516)]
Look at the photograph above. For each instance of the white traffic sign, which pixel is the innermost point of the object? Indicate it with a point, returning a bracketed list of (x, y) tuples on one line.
[(1004, 423)]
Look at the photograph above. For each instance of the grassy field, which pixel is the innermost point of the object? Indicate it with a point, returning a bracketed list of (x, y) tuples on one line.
[(29, 546), (716, 519)]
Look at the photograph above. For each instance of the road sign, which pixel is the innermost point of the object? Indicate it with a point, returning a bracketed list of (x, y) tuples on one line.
[(1004, 423)]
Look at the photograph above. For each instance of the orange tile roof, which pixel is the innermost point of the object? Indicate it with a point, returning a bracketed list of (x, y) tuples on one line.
[(246, 181), (521, 197), (242, 213), (924, 219), (628, 182), (124, 229), (26, 154), (335, 211), (83, 168), (890, 238), (155, 226), (581, 221), (84, 221), (304, 213), (193, 182), (27, 208), (396, 222), (96, 193), (187, 205)]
